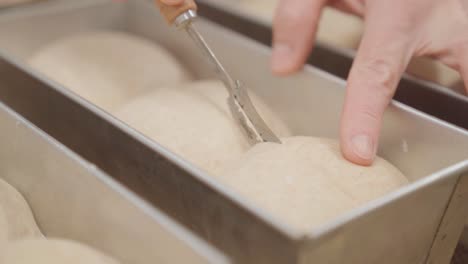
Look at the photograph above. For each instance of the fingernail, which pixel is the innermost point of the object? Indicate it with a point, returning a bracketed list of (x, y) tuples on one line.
[(281, 60), (363, 146)]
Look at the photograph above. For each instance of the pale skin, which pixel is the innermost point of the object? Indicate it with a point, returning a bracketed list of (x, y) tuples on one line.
[(394, 32)]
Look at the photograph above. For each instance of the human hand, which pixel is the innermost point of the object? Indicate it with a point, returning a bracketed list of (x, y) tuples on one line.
[(395, 31)]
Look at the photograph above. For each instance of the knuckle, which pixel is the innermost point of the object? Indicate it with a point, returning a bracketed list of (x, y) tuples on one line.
[(289, 18), (380, 75), (370, 113)]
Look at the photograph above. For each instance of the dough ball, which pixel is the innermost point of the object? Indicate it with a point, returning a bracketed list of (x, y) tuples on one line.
[(194, 121), (459, 87), (433, 71), (339, 29), (19, 221), (108, 68), (3, 231), (42, 251), (306, 182), (336, 28), (262, 9), (5, 3)]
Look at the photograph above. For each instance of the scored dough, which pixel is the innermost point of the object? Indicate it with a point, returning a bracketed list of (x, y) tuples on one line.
[(108, 68), (194, 121), (306, 182), (52, 251), (19, 221)]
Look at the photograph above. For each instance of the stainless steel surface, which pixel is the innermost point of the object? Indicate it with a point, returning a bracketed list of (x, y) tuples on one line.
[(239, 101), (451, 226), (431, 153), (185, 18), (72, 199)]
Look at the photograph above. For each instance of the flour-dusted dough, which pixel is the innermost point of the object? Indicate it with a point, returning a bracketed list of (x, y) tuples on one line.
[(339, 29), (335, 28), (108, 68), (434, 71), (194, 121), (4, 3), (262, 9), (19, 221), (306, 182), (3, 231), (52, 251), (343, 30)]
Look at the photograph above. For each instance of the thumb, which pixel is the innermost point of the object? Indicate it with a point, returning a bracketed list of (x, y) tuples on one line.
[(382, 57)]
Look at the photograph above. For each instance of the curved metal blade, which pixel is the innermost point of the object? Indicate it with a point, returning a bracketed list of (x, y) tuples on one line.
[(239, 101), (244, 111)]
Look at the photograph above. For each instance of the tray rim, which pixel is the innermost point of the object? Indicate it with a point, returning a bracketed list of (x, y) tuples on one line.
[(179, 231), (239, 200)]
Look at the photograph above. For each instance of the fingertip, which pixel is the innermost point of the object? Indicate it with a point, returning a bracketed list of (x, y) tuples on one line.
[(359, 149)]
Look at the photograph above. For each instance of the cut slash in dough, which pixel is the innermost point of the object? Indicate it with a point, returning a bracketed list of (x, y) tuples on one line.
[(194, 121)]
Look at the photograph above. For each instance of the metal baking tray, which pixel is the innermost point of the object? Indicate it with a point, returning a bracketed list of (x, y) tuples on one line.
[(425, 96), (72, 199), (414, 224)]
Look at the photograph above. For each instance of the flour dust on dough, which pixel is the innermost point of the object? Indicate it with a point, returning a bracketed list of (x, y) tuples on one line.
[(433, 71), (5, 3), (108, 68), (306, 182), (194, 121), (52, 251), (19, 221), (340, 29), (3, 231)]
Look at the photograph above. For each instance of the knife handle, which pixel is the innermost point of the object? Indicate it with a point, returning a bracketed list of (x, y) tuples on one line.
[(171, 12)]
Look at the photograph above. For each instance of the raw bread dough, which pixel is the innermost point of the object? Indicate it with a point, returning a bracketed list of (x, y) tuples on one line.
[(108, 68), (343, 30), (262, 9), (306, 182), (434, 71), (3, 231), (19, 221), (42, 251), (336, 28), (194, 121), (340, 29), (4, 3)]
